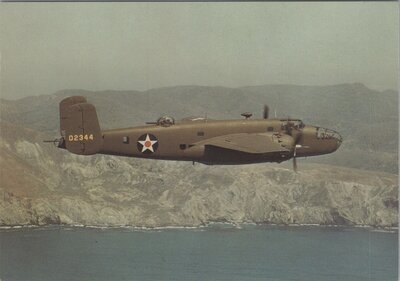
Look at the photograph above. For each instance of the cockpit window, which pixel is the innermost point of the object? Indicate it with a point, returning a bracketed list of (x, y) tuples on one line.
[(292, 123), (299, 124)]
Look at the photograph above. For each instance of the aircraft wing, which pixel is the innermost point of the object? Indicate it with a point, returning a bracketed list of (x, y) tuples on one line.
[(255, 143)]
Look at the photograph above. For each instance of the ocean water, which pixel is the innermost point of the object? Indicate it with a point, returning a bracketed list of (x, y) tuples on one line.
[(218, 252)]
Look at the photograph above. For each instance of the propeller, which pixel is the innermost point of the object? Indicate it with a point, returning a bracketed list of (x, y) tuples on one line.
[(266, 112), (295, 132), (292, 129)]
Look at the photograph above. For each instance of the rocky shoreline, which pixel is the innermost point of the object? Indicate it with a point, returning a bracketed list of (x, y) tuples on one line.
[(201, 227)]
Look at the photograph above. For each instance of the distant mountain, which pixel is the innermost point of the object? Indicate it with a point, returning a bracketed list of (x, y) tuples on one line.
[(41, 184)]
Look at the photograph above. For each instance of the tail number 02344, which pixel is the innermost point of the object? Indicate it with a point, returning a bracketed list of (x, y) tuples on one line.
[(80, 137)]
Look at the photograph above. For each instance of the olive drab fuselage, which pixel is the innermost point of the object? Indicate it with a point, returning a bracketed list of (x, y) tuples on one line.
[(175, 142), (201, 140)]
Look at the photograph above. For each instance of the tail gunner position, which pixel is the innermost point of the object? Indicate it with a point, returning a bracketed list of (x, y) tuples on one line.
[(223, 142)]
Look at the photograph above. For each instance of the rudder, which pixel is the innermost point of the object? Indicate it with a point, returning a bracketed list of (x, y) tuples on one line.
[(79, 126)]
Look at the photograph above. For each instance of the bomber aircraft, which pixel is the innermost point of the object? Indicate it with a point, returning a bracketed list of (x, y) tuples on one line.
[(203, 140)]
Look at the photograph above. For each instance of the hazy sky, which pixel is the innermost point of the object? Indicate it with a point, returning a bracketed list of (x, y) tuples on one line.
[(46, 47)]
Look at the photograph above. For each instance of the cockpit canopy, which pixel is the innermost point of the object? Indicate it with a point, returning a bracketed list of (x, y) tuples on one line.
[(298, 124), (292, 123)]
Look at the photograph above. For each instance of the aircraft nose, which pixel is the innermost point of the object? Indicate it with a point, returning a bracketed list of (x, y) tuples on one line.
[(331, 138)]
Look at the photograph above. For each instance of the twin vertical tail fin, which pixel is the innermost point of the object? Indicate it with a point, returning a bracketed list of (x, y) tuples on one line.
[(79, 126)]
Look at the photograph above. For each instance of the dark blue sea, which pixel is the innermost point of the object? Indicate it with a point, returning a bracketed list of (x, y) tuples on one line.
[(217, 252)]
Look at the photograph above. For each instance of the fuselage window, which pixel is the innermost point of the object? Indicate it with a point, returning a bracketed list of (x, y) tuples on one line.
[(270, 129), (200, 134), (125, 139), (182, 146)]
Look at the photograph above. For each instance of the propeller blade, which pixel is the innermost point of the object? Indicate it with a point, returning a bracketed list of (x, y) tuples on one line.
[(294, 159), (266, 112), (294, 164)]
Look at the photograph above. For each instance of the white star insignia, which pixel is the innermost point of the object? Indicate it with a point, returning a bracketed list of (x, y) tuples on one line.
[(147, 144)]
